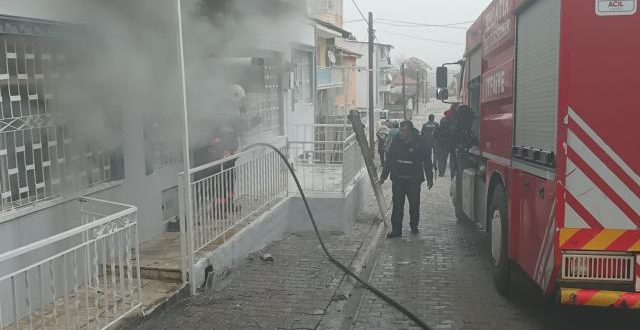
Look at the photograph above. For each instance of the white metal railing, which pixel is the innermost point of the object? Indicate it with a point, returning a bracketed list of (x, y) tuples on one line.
[(85, 277), (326, 157), (353, 163), (227, 192)]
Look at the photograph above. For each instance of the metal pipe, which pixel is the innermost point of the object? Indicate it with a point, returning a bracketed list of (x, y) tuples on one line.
[(185, 148), (371, 91), (404, 92)]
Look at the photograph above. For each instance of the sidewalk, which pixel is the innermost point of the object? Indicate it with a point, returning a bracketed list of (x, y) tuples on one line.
[(292, 292)]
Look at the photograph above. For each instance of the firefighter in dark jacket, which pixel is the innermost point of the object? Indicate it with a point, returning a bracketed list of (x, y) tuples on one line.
[(443, 145), (428, 135), (409, 165), (224, 144)]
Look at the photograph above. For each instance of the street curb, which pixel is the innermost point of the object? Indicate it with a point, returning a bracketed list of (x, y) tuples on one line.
[(133, 321), (361, 264)]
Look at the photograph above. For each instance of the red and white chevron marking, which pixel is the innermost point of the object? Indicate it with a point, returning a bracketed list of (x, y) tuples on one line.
[(602, 191), (546, 256)]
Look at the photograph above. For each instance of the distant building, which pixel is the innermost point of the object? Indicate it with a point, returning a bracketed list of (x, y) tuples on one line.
[(395, 101), (346, 100), (329, 11), (330, 79), (381, 70)]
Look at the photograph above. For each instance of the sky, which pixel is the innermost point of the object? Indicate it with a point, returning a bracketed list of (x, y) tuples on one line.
[(410, 41)]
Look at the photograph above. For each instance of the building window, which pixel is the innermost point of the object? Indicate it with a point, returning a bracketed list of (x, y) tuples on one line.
[(303, 71), (263, 107), (329, 4), (42, 152), (161, 149)]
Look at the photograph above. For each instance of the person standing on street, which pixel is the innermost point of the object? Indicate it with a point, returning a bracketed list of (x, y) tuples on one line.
[(382, 134), (409, 165), (394, 130), (428, 133), (442, 140)]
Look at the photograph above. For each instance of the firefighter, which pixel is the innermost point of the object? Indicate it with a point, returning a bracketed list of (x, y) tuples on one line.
[(382, 134), (442, 139), (223, 144), (461, 135), (427, 134), (409, 165)]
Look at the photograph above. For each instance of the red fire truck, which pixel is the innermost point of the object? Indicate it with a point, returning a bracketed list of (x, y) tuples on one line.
[(553, 176)]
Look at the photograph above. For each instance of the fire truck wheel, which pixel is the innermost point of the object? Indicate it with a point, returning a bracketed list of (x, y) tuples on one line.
[(499, 237)]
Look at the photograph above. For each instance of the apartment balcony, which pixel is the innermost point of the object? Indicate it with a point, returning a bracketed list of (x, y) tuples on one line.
[(329, 78)]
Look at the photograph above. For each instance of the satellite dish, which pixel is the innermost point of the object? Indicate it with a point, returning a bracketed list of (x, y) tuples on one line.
[(331, 56)]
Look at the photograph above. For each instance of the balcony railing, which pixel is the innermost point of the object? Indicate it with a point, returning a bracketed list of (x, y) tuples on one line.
[(326, 157), (226, 193), (87, 277), (329, 77)]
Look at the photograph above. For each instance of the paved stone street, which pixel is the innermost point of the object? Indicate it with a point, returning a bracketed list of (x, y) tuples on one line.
[(292, 292), (442, 274)]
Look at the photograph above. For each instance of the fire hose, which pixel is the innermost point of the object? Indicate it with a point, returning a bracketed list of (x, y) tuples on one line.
[(331, 258)]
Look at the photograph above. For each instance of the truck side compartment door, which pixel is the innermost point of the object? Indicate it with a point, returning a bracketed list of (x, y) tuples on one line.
[(535, 207)]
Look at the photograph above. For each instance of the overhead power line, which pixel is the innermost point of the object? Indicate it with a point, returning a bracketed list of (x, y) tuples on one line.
[(422, 23), (399, 23), (422, 26), (360, 11), (423, 39)]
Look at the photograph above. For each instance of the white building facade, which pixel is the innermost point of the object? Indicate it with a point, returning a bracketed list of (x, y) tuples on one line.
[(381, 68), (124, 144)]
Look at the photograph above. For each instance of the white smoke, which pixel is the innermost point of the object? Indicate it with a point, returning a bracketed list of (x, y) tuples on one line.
[(126, 59)]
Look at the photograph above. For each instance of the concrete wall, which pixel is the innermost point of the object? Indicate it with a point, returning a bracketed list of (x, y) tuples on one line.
[(297, 113), (302, 114), (144, 191), (348, 95), (331, 214), (321, 59), (270, 227)]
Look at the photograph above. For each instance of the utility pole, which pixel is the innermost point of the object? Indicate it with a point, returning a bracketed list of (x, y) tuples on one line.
[(404, 92), (426, 86), (185, 180), (371, 112), (418, 91)]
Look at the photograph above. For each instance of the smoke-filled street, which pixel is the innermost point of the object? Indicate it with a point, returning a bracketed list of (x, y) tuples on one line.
[(319, 164), (443, 274)]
